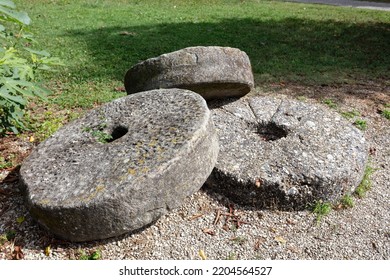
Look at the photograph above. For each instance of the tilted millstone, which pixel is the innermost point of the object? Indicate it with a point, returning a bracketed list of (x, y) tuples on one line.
[(285, 154), (213, 72), (121, 166)]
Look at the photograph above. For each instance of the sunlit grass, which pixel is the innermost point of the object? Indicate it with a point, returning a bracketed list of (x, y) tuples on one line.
[(99, 40)]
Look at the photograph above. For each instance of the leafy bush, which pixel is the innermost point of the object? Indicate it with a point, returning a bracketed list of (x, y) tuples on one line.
[(18, 67)]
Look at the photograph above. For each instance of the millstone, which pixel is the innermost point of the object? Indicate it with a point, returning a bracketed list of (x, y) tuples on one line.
[(213, 72), (121, 166), (285, 154)]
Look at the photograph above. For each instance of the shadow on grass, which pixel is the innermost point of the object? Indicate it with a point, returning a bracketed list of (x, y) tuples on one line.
[(306, 51)]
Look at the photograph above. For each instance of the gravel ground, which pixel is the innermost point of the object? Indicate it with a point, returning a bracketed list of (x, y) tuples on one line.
[(209, 222), (350, 3)]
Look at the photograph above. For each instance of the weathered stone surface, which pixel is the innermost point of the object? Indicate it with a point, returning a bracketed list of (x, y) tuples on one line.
[(213, 72), (163, 148), (285, 154)]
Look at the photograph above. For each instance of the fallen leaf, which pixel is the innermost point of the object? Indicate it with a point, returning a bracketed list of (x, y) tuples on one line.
[(280, 239), (31, 139), (291, 222), (225, 227), (193, 217), (127, 33), (202, 255), (120, 89), (217, 217), (208, 231), (239, 223), (48, 250), (20, 220), (17, 254), (339, 206), (374, 245), (231, 209), (258, 242), (273, 229), (293, 249)]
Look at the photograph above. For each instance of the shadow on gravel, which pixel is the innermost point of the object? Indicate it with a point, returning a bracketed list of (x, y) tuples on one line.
[(317, 52)]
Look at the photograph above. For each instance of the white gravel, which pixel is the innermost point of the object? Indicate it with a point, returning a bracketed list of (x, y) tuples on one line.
[(361, 232)]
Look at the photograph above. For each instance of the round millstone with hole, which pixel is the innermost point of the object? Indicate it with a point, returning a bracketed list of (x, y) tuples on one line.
[(121, 166), (213, 72), (285, 154)]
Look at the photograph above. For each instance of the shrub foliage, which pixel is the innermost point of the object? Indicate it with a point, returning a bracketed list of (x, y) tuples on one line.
[(18, 67)]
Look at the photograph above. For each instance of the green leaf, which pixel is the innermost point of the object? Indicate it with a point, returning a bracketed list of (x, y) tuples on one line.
[(17, 99), (95, 256), (23, 73), (10, 234), (7, 3), (52, 61), (41, 53), (14, 129), (21, 17), (33, 89), (26, 88), (28, 37), (17, 71), (16, 117), (14, 86)]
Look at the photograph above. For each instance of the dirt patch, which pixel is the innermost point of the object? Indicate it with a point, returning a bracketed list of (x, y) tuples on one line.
[(14, 150), (369, 95)]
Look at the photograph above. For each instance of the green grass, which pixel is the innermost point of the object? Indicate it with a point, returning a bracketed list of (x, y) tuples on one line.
[(321, 209), (3, 239), (361, 124), (5, 163), (99, 134), (96, 255), (347, 201), (366, 183), (386, 114), (330, 103), (99, 40), (232, 256), (350, 114), (239, 240)]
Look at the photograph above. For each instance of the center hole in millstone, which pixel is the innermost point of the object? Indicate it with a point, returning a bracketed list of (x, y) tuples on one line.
[(117, 133), (271, 132)]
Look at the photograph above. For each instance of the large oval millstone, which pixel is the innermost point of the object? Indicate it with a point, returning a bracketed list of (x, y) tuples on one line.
[(285, 154), (213, 72), (121, 166)]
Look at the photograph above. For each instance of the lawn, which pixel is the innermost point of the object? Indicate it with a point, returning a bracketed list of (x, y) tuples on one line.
[(336, 56), (99, 40)]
